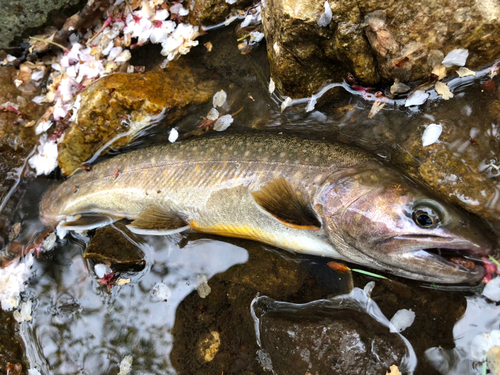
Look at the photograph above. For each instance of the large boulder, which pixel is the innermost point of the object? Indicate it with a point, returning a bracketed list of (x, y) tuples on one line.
[(377, 41), (119, 106)]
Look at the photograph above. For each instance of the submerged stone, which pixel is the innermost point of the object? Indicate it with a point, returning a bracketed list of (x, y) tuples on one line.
[(328, 337), (12, 348), (216, 334), (117, 107), (116, 246)]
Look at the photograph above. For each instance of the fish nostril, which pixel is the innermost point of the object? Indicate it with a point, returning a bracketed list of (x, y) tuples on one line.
[(464, 224)]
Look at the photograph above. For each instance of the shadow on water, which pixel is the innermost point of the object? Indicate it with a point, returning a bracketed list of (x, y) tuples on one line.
[(80, 328)]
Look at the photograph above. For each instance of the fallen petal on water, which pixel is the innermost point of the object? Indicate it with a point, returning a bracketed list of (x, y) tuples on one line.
[(443, 90), (492, 290), (161, 291), (219, 98), (223, 123), (417, 98), (402, 319), (464, 72), (125, 365), (431, 134), (457, 57), (173, 135)]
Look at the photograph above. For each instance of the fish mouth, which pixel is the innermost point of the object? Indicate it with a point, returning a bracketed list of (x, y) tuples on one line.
[(465, 260), (437, 259)]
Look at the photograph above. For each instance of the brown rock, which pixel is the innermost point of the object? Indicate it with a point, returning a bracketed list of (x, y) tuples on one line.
[(211, 12), (125, 104), (16, 141), (117, 245), (375, 40)]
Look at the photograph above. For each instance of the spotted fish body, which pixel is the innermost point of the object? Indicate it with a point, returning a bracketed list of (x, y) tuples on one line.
[(212, 184)]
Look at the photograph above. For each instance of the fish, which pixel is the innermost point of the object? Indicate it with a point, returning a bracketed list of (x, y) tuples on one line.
[(302, 195)]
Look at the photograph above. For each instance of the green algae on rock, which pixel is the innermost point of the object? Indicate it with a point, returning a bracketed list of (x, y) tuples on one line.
[(125, 104)]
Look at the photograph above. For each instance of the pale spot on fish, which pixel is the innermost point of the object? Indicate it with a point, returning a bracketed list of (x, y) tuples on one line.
[(282, 154), (247, 153)]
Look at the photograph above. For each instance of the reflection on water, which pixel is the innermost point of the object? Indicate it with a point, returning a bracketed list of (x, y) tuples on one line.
[(82, 329), (480, 318)]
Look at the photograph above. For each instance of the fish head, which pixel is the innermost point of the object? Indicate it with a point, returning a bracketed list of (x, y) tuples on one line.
[(381, 219)]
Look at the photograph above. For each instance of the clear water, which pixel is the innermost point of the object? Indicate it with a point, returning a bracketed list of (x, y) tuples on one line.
[(79, 327)]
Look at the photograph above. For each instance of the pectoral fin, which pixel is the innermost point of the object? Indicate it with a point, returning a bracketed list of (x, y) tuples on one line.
[(87, 222), (157, 221), (288, 206)]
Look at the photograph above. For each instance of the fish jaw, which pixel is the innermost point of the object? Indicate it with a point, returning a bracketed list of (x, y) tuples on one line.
[(446, 260), (371, 216)]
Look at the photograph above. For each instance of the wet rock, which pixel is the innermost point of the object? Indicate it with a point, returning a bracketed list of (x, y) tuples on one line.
[(125, 104), (16, 142), (225, 312), (16, 16), (12, 349), (211, 12), (325, 337), (117, 245), (457, 167), (376, 41)]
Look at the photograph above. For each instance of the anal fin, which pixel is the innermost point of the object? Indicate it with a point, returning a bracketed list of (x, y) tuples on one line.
[(157, 221), (287, 205)]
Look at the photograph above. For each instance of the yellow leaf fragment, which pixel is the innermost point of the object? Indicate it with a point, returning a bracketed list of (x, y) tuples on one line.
[(376, 107), (464, 72), (393, 370), (122, 282), (439, 71), (443, 90), (208, 46)]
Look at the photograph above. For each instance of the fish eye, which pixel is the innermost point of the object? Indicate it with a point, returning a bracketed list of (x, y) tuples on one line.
[(426, 217)]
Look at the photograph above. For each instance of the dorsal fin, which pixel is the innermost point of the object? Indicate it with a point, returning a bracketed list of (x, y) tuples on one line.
[(157, 221), (288, 206)]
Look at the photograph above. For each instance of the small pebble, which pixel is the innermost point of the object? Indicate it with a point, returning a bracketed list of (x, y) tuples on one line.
[(203, 288)]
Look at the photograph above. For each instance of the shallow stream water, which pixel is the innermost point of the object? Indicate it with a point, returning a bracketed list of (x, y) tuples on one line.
[(78, 327)]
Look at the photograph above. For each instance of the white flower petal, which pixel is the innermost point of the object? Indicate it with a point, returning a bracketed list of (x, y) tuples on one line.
[(223, 123), (402, 320), (326, 17), (492, 290), (125, 365), (101, 270), (43, 126), (431, 134), (219, 98), (173, 135), (457, 57), (12, 279), (161, 291), (213, 114), (417, 98)]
